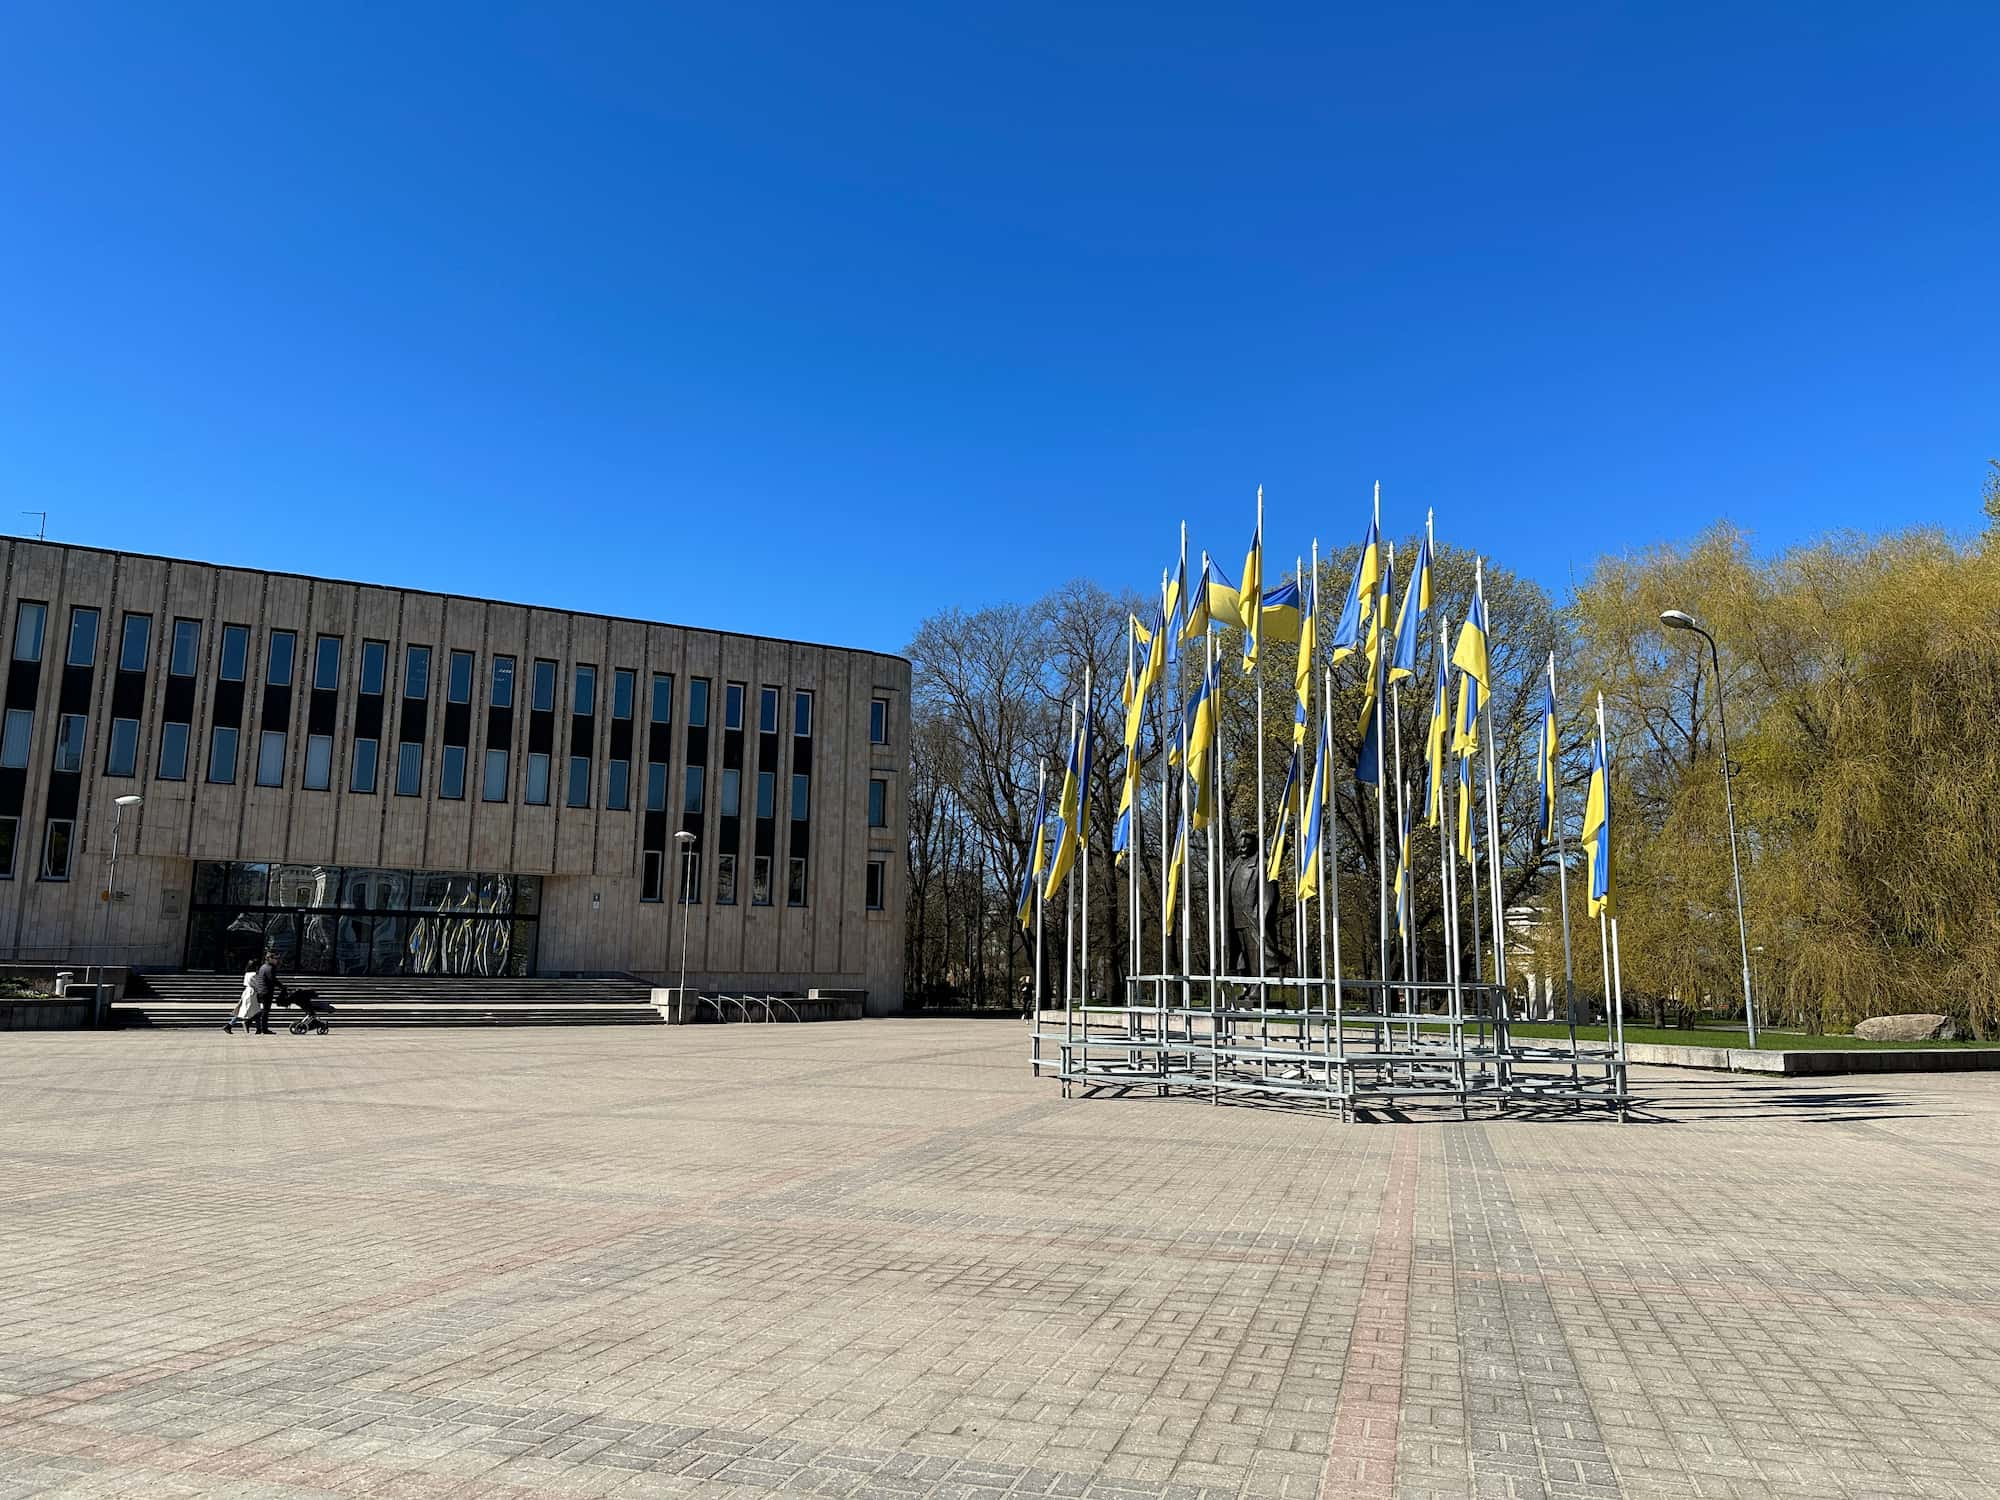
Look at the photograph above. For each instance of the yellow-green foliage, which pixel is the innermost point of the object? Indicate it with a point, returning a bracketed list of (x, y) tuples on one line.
[(1864, 700)]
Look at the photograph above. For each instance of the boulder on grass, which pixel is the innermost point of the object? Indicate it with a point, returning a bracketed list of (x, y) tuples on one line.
[(1915, 1028)]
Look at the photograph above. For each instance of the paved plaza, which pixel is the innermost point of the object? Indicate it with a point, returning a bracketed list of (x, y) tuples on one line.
[(877, 1259)]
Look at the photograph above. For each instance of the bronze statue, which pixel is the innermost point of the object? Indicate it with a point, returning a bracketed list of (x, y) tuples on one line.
[(1251, 898)]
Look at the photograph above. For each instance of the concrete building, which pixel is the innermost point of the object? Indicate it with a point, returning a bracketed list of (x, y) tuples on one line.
[(381, 780)]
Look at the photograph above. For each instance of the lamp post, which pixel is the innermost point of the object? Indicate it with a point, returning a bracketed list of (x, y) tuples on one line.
[(1680, 619), (119, 804), (684, 841)]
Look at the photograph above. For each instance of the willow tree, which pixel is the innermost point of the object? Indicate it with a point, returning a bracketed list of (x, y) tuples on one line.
[(1863, 691)]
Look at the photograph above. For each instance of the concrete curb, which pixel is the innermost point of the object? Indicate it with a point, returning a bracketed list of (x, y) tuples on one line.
[(1800, 1064)]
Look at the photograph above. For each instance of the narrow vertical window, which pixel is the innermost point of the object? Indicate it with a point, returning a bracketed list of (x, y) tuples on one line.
[(732, 782), (760, 880), (319, 762), (649, 882), (494, 788), (503, 683), (271, 758), (278, 669), (458, 678), (795, 888), (122, 759), (173, 752), (409, 769), (82, 637), (30, 622), (732, 706), (134, 642), (725, 880), (656, 786), (697, 702), (802, 714), (583, 691), (538, 780), (17, 736), (235, 653), (10, 829), (878, 803), (695, 789), (878, 721), (877, 878), (801, 798), (451, 773), (362, 776), (56, 849), (618, 786), (222, 754), (767, 710), (623, 682), (663, 697), (579, 781), (374, 666), (544, 688), (69, 742), (417, 673), (326, 663), (186, 655)]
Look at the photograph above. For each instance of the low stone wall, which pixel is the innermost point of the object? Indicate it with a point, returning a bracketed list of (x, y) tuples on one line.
[(1807, 1064), (46, 1015)]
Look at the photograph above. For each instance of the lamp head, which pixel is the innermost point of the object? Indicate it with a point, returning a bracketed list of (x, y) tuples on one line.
[(683, 837), (129, 800), (1678, 619)]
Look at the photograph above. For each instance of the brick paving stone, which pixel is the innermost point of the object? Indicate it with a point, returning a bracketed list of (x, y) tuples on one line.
[(878, 1259)]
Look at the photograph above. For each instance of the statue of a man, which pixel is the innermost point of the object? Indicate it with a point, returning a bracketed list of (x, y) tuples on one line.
[(1253, 901)]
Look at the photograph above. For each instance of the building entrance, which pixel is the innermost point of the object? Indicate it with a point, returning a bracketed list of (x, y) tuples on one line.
[(335, 919)]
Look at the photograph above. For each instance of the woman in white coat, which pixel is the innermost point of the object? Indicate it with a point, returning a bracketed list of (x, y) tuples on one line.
[(248, 1006)]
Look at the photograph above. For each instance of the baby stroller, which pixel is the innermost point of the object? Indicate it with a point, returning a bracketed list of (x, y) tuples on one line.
[(312, 1011)]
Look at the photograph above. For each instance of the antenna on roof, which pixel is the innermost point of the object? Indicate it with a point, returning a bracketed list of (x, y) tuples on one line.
[(41, 524)]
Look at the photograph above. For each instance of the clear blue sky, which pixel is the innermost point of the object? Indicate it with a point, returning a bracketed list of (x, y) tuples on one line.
[(812, 319)]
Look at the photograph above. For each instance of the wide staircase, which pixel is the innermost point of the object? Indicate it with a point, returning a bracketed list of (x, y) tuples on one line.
[(191, 1000)]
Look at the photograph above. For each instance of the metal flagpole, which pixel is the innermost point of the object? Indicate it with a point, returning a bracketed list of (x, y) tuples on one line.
[(1614, 1020), (1454, 954), (1135, 822), (1396, 732), (1035, 879), (1302, 785), (1330, 892), (1069, 939), (1083, 852), (1253, 617), (1495, 895), (1219, 874), (1562, 885)]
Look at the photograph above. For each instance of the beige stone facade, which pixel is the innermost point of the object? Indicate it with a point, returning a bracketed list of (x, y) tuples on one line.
[(592, 858)]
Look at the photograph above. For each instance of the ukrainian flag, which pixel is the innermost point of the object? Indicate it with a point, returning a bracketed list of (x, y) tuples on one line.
[(1545, 759), (1037, 860), (1316, 812), (1282, 612), (1465, 732), (1308, 649), (1597, 831), (1465, 809), (1367, 570), (1174, 880), (1410, 619), (1288, 810), (1074, 809), (1250, 593), (1434, 745), (1470, 655)]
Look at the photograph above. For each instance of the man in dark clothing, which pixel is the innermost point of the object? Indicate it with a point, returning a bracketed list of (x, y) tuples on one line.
[(267, 994)]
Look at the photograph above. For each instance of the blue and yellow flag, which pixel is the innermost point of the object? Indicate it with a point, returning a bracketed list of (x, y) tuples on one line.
[(1173, 906), (1368, 762), (1250, 592), (1465, 727), (1347, 630), (1073, 811), (1410, 620), (1470, 654), (1213, 601), (1281, 612), (1201, 711), (1288, 814), (1316, 811), (1545, 759), (1434, 739), (1597, 831), (1465, 845), (1308, 649), (1038, 852)]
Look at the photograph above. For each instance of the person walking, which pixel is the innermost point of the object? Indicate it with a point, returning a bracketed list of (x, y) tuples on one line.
[(266, 983), (245, 1014)]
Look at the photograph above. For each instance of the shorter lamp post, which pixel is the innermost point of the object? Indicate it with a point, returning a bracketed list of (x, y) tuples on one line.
[(684, 842), (1680, 619), (119, 804)]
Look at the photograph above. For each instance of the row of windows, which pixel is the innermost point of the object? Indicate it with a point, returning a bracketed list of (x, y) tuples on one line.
[(59, 842)]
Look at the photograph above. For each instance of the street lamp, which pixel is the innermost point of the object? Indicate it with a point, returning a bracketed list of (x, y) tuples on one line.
[(119, 804), (1680, 619), (685, 841)]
